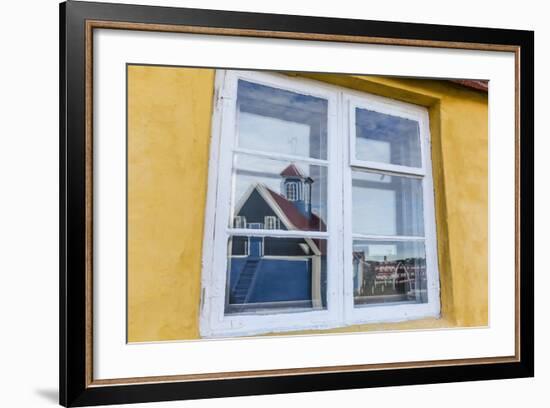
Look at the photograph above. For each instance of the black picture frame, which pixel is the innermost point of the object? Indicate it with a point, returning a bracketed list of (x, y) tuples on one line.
[(75, 389)]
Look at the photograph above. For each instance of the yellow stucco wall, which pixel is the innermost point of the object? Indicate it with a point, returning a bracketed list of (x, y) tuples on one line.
[(170, 111)]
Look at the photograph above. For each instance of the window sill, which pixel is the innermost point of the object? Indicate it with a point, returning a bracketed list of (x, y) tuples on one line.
[(420, 324)]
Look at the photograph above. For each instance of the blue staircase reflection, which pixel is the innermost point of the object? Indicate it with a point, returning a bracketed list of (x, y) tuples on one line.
[(243, 288)]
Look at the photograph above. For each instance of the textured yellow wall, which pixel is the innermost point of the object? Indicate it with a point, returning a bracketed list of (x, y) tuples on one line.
[(169, 130), (169, 111)]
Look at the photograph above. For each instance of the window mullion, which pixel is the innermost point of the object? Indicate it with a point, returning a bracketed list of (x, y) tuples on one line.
[(280, 156), (347, 148), (340, 233), (276, 233), (375, 237), (391, 170)]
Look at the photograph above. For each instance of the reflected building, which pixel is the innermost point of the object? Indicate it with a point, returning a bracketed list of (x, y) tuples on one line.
[(387, 281), (273, 272)]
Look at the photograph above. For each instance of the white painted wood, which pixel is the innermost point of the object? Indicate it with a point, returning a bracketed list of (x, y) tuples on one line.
[(210, 210), (388, 237), (280, 156), (277, 233), (432, 259), (393, 169), (218, 228)]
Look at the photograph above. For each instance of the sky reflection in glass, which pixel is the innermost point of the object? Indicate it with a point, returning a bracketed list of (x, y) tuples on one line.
[(386, 139), (278, 121), (387, 205)]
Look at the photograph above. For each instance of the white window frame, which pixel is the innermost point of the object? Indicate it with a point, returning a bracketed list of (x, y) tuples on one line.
[(340, 310), (382, 313), (220, 204)]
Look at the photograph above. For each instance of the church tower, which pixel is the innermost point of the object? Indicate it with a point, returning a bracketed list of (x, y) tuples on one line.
[(296, 188)]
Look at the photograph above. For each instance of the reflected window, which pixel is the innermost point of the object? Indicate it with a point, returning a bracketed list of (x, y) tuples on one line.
[(292, 191), (239, 221), (271, 222)]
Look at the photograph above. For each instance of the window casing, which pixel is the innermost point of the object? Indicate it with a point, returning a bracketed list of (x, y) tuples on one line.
[(362, 268)]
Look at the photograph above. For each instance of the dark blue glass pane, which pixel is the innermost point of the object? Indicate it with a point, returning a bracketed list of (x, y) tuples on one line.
[(267, 273)]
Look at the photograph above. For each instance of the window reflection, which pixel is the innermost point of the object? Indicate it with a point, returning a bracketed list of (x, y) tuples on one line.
[(278, 121), (266, 273), (295, 194), (386, 139), (387, 205), (388, 272)]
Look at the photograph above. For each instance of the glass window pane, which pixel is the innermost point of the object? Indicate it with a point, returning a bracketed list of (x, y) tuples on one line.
[(294, 193), (267, 273), (386, 139), (389, 271), (386, 205), (278, 121)]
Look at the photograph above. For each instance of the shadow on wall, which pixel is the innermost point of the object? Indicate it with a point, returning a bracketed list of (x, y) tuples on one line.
[(51, 395)]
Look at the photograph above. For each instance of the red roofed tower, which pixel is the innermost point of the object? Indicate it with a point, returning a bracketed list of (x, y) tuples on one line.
[(296, 188)]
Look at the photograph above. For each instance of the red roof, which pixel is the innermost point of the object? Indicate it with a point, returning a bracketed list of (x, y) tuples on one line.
[(299, 220), (473, 83), (291, 171)]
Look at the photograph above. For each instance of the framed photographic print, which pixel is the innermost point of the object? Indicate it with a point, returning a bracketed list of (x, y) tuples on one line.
[(256, 203)]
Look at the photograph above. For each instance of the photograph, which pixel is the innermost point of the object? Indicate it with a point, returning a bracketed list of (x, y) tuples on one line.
[(255, 203), (274, 204), (266, 202)]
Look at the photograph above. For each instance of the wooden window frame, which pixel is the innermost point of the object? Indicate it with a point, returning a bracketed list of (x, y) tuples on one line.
[(385, 313), (340, 310)]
